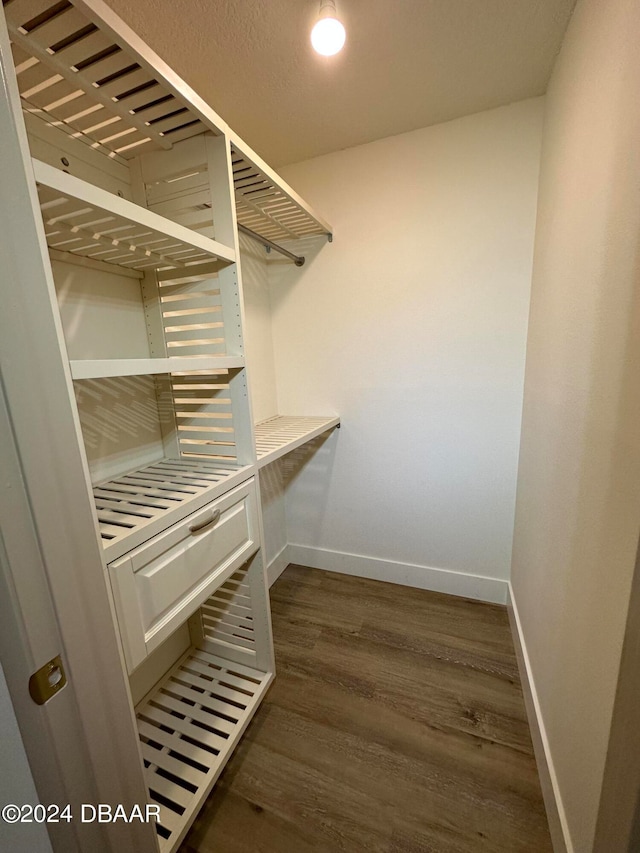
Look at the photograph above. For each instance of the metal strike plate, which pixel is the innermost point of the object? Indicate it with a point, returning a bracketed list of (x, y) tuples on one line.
[(47, 681)]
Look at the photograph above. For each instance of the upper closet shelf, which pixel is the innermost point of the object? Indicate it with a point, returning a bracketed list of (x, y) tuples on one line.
[(267, 206), (82, 69), (103, 368), (281, 434), (86, 220)]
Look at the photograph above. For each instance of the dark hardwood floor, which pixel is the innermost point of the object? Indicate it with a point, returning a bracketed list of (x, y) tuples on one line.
[(396, 724)]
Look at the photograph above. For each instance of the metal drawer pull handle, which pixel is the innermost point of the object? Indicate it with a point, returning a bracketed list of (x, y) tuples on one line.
[(198, 528)]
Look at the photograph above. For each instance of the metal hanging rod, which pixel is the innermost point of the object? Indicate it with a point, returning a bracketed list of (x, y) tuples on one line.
[(297, 259)]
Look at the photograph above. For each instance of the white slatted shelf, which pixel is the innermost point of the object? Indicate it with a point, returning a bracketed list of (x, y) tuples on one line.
[(93, 223), (137, 505), (265, 206), (82, 70), (78, 73), (281, 434), (188, 727), (103, 368)]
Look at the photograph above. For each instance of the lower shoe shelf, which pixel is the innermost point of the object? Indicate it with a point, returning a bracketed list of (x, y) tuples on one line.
[(189, 726)]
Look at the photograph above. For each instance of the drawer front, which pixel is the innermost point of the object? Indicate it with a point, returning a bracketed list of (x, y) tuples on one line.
[(160, 584)]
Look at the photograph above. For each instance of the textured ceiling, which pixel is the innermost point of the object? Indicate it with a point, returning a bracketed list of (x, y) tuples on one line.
[(407, 63)]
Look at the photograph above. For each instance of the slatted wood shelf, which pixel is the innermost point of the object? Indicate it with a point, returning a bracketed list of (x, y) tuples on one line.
[(281, 434), (82, 70), (267, 206), (188, 727), (88, 221), (76, 71), (103, 368), (137, 505)]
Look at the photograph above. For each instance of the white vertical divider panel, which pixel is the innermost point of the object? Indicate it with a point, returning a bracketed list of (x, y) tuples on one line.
[(149, 282), (265, 655), (245, 592), (218, 154), (103, 758), (220, 171), (167, 416), (158, 349), (155, 330)]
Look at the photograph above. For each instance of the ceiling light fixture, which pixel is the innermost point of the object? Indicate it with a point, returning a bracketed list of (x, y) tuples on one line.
[(328, 35)]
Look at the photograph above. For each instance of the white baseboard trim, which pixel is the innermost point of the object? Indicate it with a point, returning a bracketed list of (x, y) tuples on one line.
[(407, 574), (556, 816), (277, 566)]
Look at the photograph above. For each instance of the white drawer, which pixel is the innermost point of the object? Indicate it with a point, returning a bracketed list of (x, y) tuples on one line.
[(157, 586)]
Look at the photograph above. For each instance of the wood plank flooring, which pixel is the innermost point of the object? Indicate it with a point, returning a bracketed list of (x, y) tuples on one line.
[(396, 724)]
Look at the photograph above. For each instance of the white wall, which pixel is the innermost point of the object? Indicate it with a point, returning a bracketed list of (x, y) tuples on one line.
[(262, 381), (578, 504), (412, 326)]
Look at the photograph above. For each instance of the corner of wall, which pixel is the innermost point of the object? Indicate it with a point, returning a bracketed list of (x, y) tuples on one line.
[(558, 825)]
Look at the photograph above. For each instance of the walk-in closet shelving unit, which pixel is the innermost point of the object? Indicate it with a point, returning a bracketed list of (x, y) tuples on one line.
[(140, 185)]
